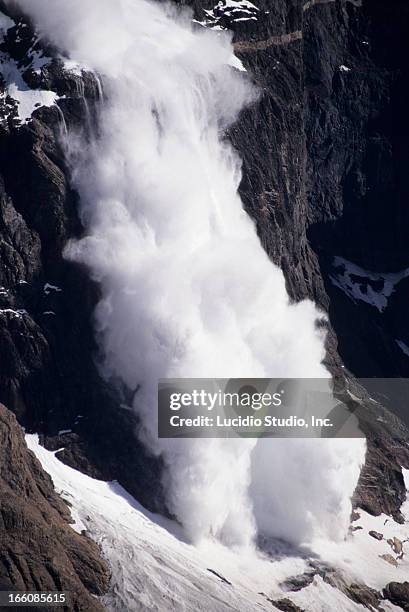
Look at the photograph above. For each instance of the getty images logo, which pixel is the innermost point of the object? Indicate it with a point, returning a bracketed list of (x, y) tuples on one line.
[(254, 408)]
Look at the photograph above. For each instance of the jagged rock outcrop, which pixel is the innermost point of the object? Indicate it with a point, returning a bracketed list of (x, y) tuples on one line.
[(286, 605), (39, 551), (398, 594)]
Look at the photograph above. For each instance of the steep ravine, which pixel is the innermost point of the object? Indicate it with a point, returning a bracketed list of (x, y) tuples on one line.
[(325, 161)]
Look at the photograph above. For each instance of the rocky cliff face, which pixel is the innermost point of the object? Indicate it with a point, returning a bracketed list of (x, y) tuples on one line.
[(325, 161), (325, 178), (38, 549)]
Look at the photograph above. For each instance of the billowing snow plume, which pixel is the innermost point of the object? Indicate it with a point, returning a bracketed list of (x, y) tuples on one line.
[(187, 289)]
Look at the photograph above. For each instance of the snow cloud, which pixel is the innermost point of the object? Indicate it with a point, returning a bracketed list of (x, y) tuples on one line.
[(187, 289)]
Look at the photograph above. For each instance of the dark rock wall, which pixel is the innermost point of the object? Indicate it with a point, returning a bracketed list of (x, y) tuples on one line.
[(325, 161), (38, 550), (357, 179)]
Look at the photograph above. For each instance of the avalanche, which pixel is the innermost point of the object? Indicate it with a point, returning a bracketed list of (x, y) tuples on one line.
[(187, 289)]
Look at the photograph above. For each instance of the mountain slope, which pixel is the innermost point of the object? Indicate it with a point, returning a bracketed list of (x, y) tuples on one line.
[(324, 177), (152, 564)]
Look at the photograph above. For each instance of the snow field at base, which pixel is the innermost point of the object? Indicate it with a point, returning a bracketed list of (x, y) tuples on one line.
[(151, 563), (155, 569), (360, 556)]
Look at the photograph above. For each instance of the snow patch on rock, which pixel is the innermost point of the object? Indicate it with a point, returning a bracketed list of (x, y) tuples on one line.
[(235, 62), (17, 314), (48, 288), (229, 12), (359, 284), (15, 86), (11, 71)]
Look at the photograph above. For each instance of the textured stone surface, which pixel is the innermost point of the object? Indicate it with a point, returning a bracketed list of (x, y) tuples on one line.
[(38, 549), (398, 594), (286, 605)]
